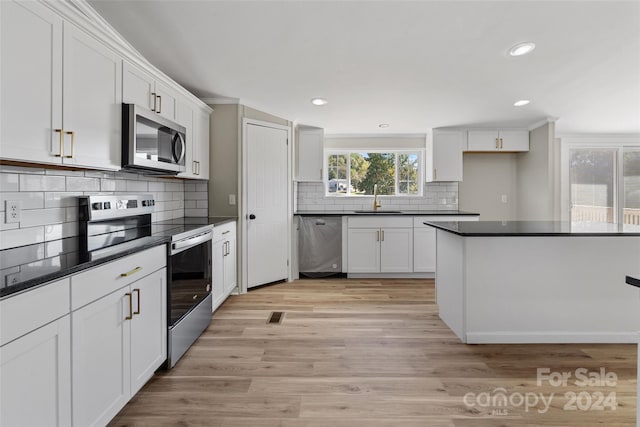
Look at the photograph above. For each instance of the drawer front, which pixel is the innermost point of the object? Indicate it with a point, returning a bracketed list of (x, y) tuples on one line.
[(419, 220), (25, 312), (224, 231), (97, 282), (380, 221)]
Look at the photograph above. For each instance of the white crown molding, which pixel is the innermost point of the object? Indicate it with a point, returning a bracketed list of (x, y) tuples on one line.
[(221, 100), (375, 135), (542, 122)]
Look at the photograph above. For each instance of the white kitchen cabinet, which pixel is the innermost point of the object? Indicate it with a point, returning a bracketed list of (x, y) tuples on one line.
[(379, 245), (119, 329), (167, 105), (224, 262), (138, 87), (52, 70), (310, 154), (444, 156), (35, 357), (424, 240), (92, 98), (196, 122), (31, 82), (492, 140)]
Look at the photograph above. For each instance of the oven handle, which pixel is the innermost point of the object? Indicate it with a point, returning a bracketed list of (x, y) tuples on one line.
[(188, 243)]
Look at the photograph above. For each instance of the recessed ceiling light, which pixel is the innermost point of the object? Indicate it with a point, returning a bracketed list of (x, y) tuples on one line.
[(383, 125), (521, 103), (319, 101), (522, 49)]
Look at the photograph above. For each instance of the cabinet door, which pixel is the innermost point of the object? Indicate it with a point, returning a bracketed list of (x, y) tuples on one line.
[(447, 156), (514, 140), (310, 155), (396, 250), (424, 249), (483, 140), (202, 142), (92, 97), (148, 327), (185, 118), (101, 359), (30, 82), (167, 101), (217, 287), (137, 86), (36, 377), (230, 266), (363, 253)]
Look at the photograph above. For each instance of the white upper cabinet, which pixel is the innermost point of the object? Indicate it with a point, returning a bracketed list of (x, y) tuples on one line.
[(166, 101), (444, 155), (196, 122), (138, 87), (61, 91), (201, 132), (310, 154), (31, 82), (512, 140), (92, 98)]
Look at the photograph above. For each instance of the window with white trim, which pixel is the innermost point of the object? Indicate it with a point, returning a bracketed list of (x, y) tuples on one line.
[(356, 172)]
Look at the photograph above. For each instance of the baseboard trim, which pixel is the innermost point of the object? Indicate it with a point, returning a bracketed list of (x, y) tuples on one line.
[(390, 275), (543, 337)]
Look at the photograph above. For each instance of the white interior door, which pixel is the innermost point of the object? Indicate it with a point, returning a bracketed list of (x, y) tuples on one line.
[(266, 193)]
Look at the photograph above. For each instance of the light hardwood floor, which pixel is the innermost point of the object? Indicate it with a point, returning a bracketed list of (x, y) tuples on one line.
[(369, 353)]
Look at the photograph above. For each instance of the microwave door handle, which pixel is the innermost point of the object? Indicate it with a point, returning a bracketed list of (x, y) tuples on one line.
[(183, 149)]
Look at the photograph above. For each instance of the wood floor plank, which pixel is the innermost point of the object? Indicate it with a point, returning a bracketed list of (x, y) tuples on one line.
[(370, 353)]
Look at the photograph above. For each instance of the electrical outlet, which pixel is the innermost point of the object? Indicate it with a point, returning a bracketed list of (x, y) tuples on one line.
[(504, 198), (232, 199), (12, 211)]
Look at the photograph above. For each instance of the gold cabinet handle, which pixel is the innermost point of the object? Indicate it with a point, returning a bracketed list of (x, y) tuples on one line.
[(130, 316), (435, 174), (155, 100), (138, 310), (382, 232), (159, 104), (198, 165), (497, 146), (378, 236), (61, 132), (501, 143), (130, 273), (73, 143)]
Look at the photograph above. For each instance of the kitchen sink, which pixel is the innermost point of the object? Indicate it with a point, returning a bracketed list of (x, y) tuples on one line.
[(377, 212)]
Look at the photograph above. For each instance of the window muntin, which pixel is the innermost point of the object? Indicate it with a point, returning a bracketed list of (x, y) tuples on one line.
[(396, 173), (631, 186)]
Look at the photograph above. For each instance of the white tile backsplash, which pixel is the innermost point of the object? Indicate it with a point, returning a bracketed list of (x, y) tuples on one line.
[(437, 196), (50, 204)]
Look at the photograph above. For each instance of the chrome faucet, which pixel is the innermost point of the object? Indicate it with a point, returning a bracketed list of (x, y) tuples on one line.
[(376, 204)]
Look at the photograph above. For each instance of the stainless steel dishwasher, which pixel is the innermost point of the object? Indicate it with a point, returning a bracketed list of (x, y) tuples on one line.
[(319, 245)]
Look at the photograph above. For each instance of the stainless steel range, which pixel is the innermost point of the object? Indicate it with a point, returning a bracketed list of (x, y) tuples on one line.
[(110, 224)]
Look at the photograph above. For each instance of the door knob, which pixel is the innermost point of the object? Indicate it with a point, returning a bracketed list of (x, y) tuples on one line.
[(252, 216)]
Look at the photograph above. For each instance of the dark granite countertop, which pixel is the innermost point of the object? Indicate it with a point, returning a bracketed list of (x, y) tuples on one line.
[(534, 228), (633, 281), (383, 211), (29, 266)]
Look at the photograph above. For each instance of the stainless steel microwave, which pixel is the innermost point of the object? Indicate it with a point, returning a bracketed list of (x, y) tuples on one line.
[(151, 143)]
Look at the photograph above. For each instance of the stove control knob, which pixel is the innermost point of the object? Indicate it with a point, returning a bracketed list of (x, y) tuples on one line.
[(153, 202), (144, 203), (107, 205), (96, 206)]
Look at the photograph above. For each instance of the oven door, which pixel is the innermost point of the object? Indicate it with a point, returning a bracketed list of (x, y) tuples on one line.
[(190, 281)]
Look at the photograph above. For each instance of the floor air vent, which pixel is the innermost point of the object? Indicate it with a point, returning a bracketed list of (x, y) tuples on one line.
[(276, 317)]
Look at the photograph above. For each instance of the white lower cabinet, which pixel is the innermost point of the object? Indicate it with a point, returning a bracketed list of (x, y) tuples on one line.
[(424, 240), (380, 245), (35, 377), (224, 262)]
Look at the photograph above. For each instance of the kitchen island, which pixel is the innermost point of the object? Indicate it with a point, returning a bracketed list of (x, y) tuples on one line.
[(537, 281)]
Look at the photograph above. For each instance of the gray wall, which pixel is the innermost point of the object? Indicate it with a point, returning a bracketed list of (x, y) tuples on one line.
[(488, 176), (535, 176), (224, 161)]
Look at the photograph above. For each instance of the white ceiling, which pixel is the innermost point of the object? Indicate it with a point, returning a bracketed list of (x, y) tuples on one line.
[(415, 65)]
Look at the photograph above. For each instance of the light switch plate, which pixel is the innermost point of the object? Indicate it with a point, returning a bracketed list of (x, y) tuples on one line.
[(232, 199)]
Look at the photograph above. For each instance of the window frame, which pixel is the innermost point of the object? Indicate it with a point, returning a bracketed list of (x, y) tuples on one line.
[(603, 142), (348, 151)]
